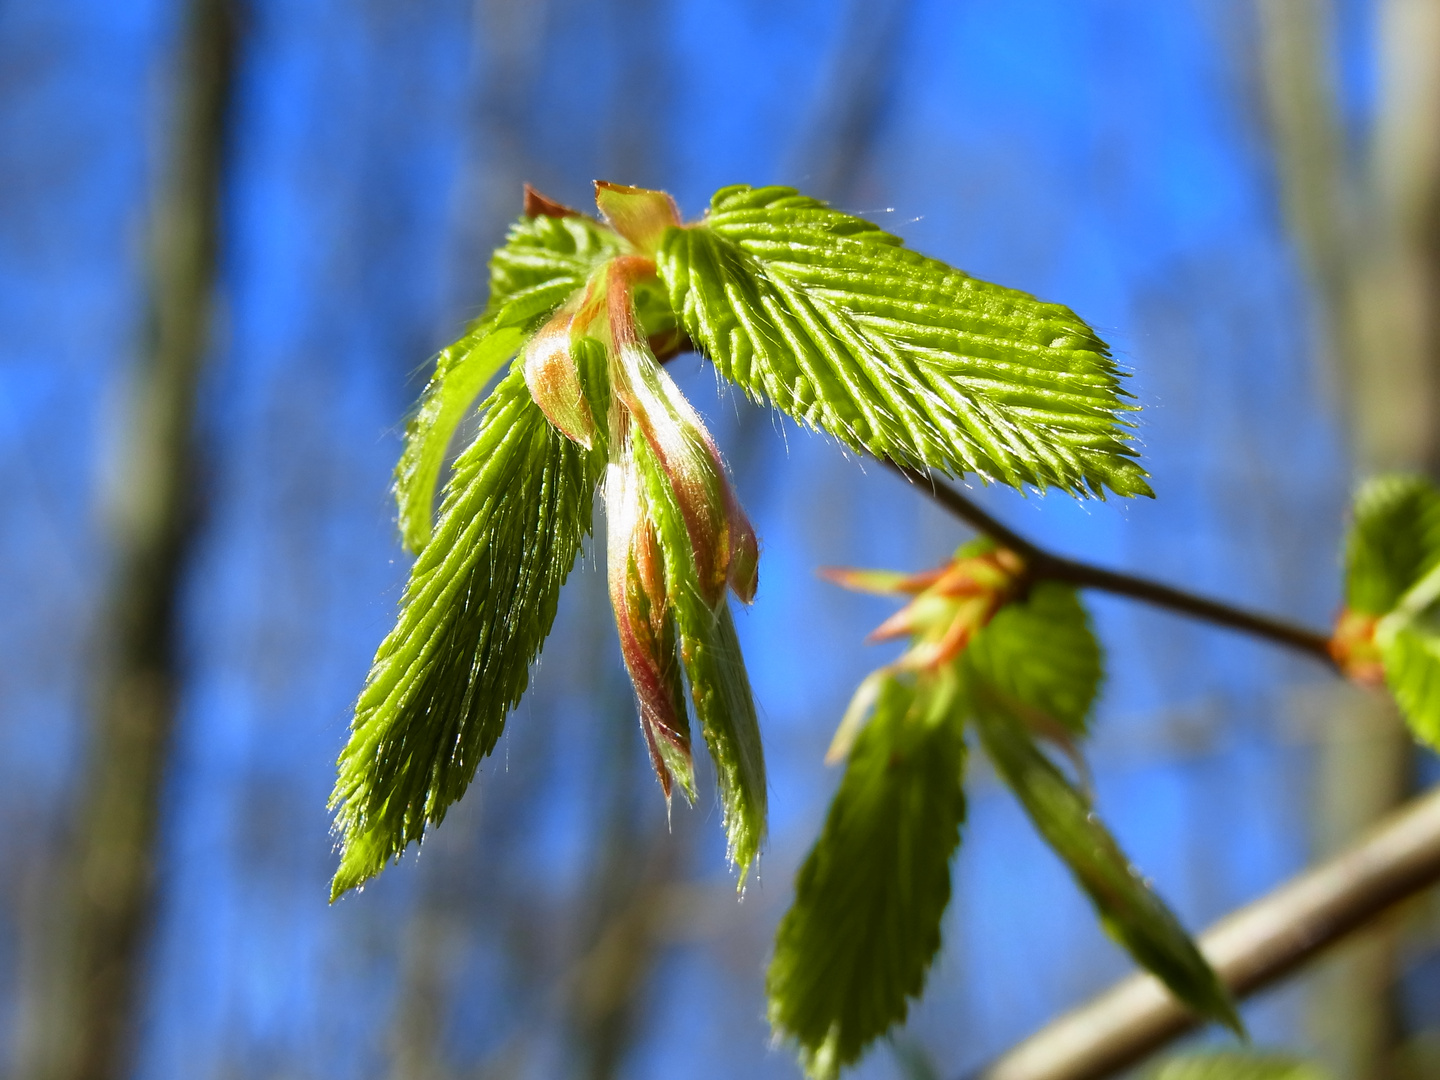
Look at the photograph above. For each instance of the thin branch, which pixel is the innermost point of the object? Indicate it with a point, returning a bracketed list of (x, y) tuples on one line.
[(1249, 949), (1046, 565)]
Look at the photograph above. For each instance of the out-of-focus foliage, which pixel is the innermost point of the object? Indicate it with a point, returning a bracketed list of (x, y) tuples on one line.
[(1390, 628), (1017, 661)]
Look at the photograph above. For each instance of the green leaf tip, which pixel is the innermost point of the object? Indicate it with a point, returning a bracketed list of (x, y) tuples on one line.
[(834, 322), (714, 669), (478, 606), (1034, 673), (1128, 907), (864, 928)]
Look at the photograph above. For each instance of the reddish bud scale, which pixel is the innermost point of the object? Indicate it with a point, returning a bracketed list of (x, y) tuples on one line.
[(950, 604), (723, 540), (538, 205), (554, 381), (636, 577), (1354, 649)]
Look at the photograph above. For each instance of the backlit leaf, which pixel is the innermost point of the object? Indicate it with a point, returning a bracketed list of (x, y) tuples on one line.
[(865, 924), (1394, 541), (543, 262), (478, 606), (1132, 911), (834, 322), (1042, 655), (714, 669)]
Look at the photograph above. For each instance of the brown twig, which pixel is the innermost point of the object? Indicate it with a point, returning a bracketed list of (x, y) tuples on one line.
[(1249, 949), (1046, 565)]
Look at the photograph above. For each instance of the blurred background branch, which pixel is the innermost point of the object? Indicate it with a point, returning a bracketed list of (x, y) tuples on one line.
[(83, 1023)]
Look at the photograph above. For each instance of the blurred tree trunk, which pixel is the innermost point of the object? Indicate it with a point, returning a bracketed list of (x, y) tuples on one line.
[(1368, 237), (83, 1023)]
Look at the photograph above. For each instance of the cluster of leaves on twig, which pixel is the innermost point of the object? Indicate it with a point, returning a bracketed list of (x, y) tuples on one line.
[(1389, 630), (831, 320)]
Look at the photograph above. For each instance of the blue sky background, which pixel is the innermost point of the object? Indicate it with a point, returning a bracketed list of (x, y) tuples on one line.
[(1111, 155)]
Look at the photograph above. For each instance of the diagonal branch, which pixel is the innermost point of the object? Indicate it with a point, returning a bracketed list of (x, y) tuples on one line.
[(1249, 949), (1045, 564)]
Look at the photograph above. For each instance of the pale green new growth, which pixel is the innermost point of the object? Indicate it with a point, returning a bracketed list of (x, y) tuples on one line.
[(478, 606), (865, 924), (1038, 666), (831, 320), (1236, 1066), (543, 261), (461, 373), (715, 671), (1393, 572), (1127, 906), (1043, 655), (1394, 541), (834, 322)]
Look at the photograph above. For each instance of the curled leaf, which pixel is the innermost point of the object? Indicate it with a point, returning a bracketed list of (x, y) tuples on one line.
[(636, 574), (554, 382), (638, 214), (714, 668)]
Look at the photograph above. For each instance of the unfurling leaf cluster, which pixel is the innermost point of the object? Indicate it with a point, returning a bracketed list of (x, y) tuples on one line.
[(1389, 629), (830, 320), (1015, 662), (816, 312)]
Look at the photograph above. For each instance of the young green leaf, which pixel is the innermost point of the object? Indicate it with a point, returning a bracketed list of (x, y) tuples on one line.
[(714, 668), (1236, 1066), (461, 373), (478, 606), (1392, 596), (557, 254), (1043, 656), (645, 622), (1128, 907), (865, 924), (544, 261), (1409, 643), (1394, 541), (834, 322)]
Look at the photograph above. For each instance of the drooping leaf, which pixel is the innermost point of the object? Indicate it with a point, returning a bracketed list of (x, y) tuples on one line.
[(1130, 910), (645, 622), (1234, 1065), (543, 262), (865, 925), (1042, 655), (714, 668), (478, 606), (1394, 541), (834, 322)]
